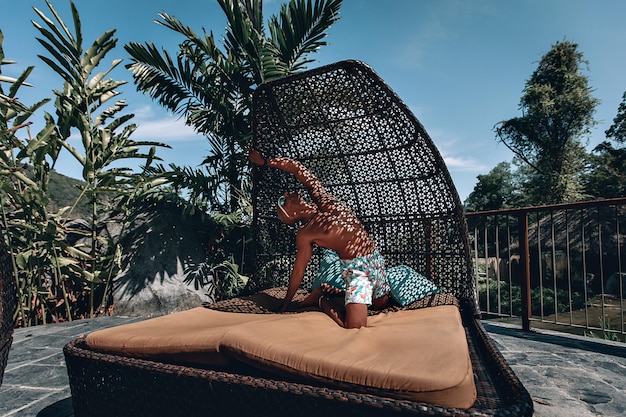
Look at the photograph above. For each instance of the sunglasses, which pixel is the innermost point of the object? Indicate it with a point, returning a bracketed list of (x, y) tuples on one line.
[(281, 202)]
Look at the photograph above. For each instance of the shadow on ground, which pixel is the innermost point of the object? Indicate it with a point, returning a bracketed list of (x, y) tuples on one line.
[(63, 408)]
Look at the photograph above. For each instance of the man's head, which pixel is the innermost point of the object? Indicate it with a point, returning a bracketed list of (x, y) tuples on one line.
[(291, 208)]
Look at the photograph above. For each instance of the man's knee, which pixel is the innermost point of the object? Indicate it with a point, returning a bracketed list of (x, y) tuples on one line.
[(356, 316)]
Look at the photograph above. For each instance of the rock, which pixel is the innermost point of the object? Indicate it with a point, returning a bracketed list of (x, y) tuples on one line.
[(165, 293), (163, 250), (613, 284)]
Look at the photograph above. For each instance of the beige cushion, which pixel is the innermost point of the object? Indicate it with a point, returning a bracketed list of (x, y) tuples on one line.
[(414, 354), (421, 355), (191, 336)]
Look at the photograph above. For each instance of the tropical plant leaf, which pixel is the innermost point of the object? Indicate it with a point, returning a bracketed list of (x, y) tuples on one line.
[(60, 262)]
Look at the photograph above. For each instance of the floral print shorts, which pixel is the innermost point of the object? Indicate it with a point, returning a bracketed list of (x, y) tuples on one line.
[(365, 278)]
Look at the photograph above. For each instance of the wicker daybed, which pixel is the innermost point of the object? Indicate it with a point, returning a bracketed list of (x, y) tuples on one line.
[(346, 125), (8, 304)]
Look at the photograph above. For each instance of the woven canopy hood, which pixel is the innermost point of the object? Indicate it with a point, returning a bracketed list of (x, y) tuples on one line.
[(353, 132)]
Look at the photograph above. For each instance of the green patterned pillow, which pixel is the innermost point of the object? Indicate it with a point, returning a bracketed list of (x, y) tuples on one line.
[(330, 271), (408, 286)]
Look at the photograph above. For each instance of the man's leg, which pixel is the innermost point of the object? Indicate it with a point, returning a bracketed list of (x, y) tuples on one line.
[(356, 316), (312, 298), (381, 302), (316, 293)]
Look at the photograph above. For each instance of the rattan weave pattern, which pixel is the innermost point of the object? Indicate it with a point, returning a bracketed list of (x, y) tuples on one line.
[(8, 304), (354, 133), (269, 301)]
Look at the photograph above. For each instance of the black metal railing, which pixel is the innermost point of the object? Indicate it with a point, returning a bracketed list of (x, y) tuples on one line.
[(560, 264)]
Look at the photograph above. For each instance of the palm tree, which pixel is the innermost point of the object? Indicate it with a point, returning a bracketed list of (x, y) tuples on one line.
[(211, 85)]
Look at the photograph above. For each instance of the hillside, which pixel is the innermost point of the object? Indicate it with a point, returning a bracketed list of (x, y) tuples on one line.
[(63, 191)]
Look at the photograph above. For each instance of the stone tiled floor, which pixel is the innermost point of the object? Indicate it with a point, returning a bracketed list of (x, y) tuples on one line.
[(35, 381), (566, 375)]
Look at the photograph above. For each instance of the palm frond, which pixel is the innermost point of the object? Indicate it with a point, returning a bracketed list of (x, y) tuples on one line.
[(20, 81), (97, 51), (156, 74), (300, 29)]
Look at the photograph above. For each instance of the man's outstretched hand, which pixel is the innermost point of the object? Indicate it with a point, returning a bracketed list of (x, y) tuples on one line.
[(254, 156)]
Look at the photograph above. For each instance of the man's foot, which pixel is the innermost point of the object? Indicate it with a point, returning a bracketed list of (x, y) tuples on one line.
[(326, 306)]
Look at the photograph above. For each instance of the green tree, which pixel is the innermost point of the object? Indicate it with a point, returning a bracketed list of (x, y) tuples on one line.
[(84, 104), (211, 85), (493, 191), (558, 110), (617, 131), (33, 237), (58, 264), (607, 177)]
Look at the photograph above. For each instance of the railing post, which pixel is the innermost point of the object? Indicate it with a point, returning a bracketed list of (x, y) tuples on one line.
[(524, 263)]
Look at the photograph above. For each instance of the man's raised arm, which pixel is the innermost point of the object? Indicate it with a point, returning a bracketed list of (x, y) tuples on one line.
[(302, 174)]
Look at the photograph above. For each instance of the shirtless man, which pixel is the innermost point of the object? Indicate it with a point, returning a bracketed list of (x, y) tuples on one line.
[(328, 223)]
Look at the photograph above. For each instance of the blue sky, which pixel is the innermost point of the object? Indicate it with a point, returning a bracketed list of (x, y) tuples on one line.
[(460, 65)]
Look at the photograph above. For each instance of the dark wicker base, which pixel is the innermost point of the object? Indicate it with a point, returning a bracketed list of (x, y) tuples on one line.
[(109, 385), (8, 304), (5, 345)]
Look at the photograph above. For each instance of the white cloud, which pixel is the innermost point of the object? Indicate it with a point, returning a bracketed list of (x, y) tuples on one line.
[(454, 151), (459, 163), (144, 112), (161, 126)]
